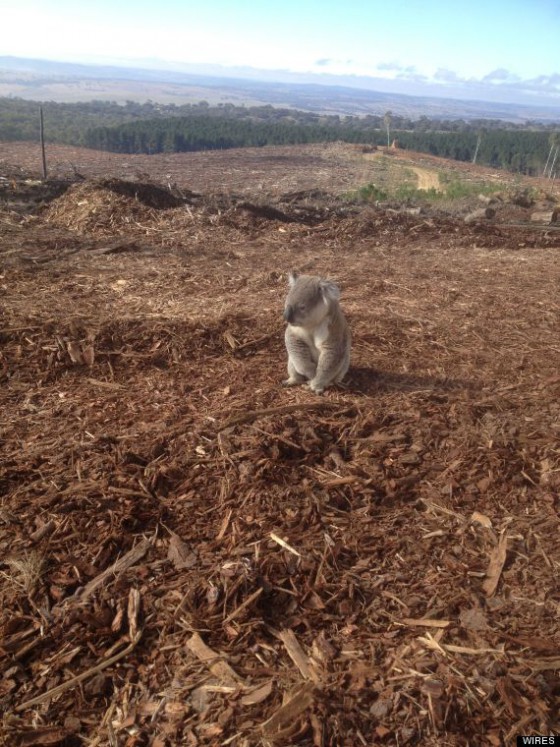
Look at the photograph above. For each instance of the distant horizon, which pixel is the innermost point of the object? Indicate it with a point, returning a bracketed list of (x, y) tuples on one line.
[(254, 76), (467, 90)]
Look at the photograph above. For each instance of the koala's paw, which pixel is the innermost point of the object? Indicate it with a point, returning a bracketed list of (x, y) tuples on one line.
[(316, 387), (292, 382)]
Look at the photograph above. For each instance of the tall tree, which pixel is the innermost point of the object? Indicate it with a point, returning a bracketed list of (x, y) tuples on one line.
[(553, 140), (479, 136), (553, 164), (554, 147), (387, 119)]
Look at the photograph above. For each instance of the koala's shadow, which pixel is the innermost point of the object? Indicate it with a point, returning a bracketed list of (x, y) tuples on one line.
[(371, 381)]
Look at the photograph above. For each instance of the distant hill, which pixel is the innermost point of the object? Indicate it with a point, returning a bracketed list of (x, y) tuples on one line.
[(43, 80)]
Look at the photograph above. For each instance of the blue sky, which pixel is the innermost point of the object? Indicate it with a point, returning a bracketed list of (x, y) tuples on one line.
[(510, 47)]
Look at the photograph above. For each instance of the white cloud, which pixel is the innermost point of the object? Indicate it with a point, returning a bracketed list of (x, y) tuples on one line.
[(396, 67), (445, 75), (550, 83), (501, 75)]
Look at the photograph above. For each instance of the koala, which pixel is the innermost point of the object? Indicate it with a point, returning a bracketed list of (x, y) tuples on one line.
[(317, 336)]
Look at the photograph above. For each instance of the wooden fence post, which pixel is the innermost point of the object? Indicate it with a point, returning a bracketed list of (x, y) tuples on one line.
[(42, 133)]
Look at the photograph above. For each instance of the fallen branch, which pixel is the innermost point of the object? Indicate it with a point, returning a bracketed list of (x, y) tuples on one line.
[(238, 610), (128, 560), (80, 677), (258, 340), (134, 634)]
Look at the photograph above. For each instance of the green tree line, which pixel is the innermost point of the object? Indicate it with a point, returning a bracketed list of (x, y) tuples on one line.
[(522, 151), (155, 128)]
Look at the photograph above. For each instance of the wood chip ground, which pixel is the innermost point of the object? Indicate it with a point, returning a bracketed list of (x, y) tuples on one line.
[(192, 555)]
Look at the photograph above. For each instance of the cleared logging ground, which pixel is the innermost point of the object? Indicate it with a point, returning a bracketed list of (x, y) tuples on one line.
[(191, 554)]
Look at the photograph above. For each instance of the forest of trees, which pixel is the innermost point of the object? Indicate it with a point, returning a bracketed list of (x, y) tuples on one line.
[(522, 151), (156, 128)]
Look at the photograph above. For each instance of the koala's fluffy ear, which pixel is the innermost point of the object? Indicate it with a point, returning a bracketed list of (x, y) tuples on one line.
[(292, 277), (329, 291)]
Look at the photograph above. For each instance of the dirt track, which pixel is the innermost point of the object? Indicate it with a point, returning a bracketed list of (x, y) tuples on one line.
[(201, 546)]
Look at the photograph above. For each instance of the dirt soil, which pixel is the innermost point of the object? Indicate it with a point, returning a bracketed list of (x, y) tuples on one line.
[(191, 554)]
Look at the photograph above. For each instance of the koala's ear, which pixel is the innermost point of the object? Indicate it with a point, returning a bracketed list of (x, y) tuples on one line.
[(329, 291), (292, 277)]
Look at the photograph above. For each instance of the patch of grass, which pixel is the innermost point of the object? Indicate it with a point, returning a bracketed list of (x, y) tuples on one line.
[(370, 193), (409, 193), (452, 188), (456, 189), (25, 573)]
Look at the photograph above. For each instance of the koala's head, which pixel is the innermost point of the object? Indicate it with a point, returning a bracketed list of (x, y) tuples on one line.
[(309, 300)]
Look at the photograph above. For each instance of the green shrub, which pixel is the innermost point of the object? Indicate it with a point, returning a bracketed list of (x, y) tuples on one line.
[(370, 193)]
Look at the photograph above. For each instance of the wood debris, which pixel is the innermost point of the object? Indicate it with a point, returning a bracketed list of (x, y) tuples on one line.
[(495, 567), (191, 553)]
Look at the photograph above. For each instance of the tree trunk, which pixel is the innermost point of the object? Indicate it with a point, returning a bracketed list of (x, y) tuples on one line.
[(551, 171), (476, 149), (548, 159)]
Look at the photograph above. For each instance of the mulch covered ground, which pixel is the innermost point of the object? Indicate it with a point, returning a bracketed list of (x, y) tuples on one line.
[(192, 555)]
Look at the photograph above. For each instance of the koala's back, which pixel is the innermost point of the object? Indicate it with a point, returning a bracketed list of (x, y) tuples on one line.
[(337, 345)]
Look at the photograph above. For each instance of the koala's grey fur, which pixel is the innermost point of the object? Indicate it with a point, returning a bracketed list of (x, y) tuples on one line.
[(317, 335)]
